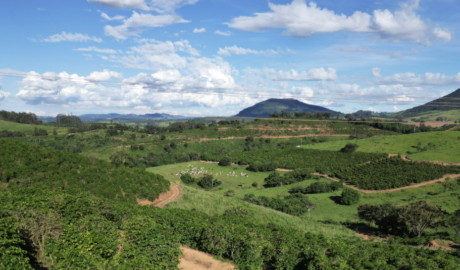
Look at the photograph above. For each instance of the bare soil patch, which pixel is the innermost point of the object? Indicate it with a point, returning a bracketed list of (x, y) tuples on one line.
[(172, 195), (195, 260), (432, 123)]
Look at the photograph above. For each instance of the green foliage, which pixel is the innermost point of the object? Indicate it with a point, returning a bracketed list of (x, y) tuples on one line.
[(385, 216), (317, 187), (295, 204), (392, 172), (207, 181), (22, 118), (350, 196), (255, 184), (260, 166), (419, 216), (122, 158), (349, 148), (187, 178), (6, 133), (298, 158), (225, 161), (298, 175), (68, 120), (13, 254), (40, 132), (162, 137)]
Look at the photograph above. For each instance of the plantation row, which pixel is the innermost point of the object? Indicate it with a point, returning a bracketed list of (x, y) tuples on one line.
[(392, 172), (25, 165), (87, 233), (297, 158)]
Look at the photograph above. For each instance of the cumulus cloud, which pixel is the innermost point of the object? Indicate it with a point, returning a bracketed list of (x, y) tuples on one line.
[(155, 55), (114, 18), (135, 24), (201, 30), (156, 5), (315, 74), (220, 33), (412, 79), (4, 95), (77, 37), (104, 75), (95, 49), (302, 20), (227, 51)]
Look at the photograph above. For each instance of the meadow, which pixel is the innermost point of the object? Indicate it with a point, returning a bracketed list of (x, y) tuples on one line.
[(446, 143), (29, 129)]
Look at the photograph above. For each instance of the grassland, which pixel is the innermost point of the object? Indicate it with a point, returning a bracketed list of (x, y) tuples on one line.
[(447, 143), (327, 208), (453, 115), (28, 129)]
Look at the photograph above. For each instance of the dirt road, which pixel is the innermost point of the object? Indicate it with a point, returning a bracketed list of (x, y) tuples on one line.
[(174, 194), (196, 260)]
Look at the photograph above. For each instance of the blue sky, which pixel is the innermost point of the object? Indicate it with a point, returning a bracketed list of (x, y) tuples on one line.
[(216, 57)]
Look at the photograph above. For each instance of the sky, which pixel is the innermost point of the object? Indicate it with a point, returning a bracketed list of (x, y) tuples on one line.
[(217, 57)]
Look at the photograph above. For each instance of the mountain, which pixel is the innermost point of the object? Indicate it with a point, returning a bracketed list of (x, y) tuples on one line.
[(445, 103), (264, 108)]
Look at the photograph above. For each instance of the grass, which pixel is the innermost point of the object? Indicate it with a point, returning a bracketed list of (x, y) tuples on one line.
[(28, 129), (216, 204), (453, 115), (446, 144), (327, 208)]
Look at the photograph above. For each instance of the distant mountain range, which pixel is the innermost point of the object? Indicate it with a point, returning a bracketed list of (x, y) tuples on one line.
[(116, 116), (445, 103), (273, 105)]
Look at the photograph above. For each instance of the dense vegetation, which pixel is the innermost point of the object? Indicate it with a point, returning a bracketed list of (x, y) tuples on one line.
[(446, 103), (275, 179), (6, 134), (297, 158), (392, 172), (317, 187), (24, 166), (295, 204), (68, 120), (22, 118)]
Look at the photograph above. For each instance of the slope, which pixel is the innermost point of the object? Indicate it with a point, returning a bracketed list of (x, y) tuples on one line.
[(445, 103), (263, 109)]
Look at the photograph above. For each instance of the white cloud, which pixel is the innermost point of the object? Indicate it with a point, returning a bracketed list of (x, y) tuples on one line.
[(95, 49), (4, 95), (77, 37), (160, 6), (201, 30), (135, 24), (395, 108), (114, 18), (302, 20), (155, 55), (104, 75), (226, 34), (228, 51), (412, 79), (303, 91), (139, 4), (315, 74)]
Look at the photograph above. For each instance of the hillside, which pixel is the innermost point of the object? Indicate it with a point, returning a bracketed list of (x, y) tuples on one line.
[(264, 108), (445, 103)]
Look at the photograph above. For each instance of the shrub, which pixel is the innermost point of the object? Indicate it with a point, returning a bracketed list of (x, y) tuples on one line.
[(173, 145), (255, 184), (134, 147), (225, 161), (162, 137), (187, 179), (349, 148), (141, 147), (267, 140), (230, 193), (350, 196), (242, 162)]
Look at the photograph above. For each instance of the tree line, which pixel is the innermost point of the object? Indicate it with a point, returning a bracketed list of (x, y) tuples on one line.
[(21, 117)]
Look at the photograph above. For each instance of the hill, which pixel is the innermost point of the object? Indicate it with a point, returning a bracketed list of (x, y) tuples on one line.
[(273, 105), (445, 103)]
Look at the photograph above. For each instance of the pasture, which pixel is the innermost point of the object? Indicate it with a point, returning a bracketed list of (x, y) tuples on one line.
[(29, 129)]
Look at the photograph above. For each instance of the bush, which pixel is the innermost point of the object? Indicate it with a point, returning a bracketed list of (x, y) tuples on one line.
[(230, 193), (162, 137), (134, 147), (267, 140), (141, 147), (349, 148), (255, 184), (208, 182), (242, 162), (173, 145), (225, 161), (187, 179), (350, 196)]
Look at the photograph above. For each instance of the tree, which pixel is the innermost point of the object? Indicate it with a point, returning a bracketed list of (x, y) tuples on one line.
[(420, 215), (187, 178), (349, 148), (350, 196), (122, 158), (225, 161), (308, 205), (453, 221), (206, 181), (162, 137), (173, 145)]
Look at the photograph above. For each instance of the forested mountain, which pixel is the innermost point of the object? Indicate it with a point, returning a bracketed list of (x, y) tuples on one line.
[(445, 103), (273, 105)]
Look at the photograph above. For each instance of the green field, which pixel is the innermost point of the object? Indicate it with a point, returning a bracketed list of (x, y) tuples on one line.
[(452, 115), (447, 143), (326, 206), (28, 129)]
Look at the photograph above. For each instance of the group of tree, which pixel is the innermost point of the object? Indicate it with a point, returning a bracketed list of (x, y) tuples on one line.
[(413, 218), (263, 166), (68, 120), (275, 179), (392, 172), (173, 127), (6, 134), (294, 204), (289, 114), (404, 128), (206, 182), (317, 187), (39, 132), (21, 117)]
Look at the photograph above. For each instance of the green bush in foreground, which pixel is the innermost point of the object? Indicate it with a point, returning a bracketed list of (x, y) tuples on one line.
[(350, 196)]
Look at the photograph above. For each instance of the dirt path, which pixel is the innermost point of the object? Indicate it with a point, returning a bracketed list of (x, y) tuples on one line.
[(174, 194), (196, 260), (440, 180)]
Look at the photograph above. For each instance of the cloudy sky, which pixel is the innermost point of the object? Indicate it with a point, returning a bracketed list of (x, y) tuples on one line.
[(216, 57)]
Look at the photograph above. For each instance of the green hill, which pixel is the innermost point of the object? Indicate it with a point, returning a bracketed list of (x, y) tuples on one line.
[(273, 105), (445, 103)]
